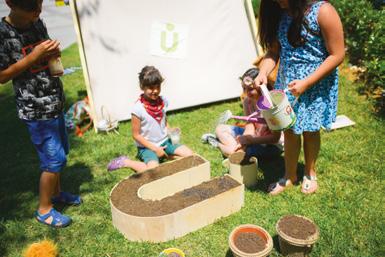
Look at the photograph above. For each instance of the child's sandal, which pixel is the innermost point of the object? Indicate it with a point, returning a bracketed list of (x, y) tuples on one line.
[(67, 198), (309, 184), (58, 220), (117, 163), (279, 186)]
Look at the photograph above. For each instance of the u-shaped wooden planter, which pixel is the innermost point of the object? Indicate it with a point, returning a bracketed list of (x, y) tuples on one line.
[(157, 187)]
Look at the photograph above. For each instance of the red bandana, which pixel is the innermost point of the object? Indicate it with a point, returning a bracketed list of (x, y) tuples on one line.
[(155, 108)]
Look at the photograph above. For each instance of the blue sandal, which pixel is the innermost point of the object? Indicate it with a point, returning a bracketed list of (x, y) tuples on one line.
[(58, 220), (67, 198)]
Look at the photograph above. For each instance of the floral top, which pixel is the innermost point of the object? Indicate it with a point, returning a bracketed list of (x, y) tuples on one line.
[(317, 106)]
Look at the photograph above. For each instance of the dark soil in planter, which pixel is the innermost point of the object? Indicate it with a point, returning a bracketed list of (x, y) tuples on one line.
[(297, 227), (240, 158), (125, 198), (249, 242)]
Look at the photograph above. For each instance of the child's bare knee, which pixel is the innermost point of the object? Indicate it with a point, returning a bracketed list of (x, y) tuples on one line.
[(189, 152), (152, 164), (184, 151), (220, 129)]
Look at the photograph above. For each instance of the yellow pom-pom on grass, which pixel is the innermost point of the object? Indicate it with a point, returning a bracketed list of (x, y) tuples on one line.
[(45, 248)]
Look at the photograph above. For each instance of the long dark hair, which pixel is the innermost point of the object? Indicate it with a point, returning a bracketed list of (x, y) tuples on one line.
[(269, 17)]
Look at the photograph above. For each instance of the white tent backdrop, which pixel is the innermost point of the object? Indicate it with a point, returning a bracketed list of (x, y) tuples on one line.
[(201, 47)]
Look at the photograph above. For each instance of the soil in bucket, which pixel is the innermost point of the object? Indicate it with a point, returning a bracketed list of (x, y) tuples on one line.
[(249, 242), (240, 158), (297, 235)]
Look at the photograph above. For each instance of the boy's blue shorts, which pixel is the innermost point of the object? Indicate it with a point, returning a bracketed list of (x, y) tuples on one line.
[(147, 155), (51, 142)]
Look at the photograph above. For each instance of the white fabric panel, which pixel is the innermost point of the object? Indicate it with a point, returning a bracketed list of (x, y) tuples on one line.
[(116, 36)]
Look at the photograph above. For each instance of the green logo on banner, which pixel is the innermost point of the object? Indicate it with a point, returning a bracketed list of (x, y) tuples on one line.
[(175, 36)]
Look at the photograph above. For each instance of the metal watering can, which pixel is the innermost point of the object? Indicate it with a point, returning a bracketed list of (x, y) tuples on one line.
[(276, 109)]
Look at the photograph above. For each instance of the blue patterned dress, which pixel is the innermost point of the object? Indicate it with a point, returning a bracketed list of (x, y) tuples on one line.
[(317, 106)]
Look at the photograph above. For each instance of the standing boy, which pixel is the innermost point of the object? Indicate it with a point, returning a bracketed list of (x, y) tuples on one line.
[(25, 48)]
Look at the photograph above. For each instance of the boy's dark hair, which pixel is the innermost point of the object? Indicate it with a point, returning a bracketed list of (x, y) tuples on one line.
[(252, 73), (150, 76), (26, 5)]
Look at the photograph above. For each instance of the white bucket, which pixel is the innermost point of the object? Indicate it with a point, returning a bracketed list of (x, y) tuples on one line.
[(279, 117), (243, 173)]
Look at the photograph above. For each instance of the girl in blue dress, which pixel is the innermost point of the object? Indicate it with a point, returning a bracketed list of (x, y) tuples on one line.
[(307, 37)]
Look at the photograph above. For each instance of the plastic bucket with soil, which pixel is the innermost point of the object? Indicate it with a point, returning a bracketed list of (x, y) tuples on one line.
[(297, 235), (250, 241), (243, 168)]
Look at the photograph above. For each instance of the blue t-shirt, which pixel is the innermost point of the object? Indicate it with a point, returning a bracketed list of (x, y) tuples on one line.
[(39, 96)]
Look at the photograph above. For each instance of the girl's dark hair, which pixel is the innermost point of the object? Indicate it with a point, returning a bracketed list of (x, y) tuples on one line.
[(150, 76), (269, 17), (27, 5), (252, 73)]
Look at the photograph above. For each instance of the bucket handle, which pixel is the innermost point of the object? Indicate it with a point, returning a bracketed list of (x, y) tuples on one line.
[(283, 81), (296, 99)]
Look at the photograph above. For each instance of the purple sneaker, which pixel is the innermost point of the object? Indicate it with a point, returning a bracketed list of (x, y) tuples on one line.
[(117, 163)]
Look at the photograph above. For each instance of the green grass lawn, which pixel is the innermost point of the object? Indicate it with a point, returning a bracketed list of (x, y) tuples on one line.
[(348, 208)]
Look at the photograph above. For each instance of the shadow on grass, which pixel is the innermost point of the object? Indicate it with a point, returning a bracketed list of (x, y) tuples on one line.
[(21, 190), (20, 175), (273, 169), (3, 243), (276, 244)]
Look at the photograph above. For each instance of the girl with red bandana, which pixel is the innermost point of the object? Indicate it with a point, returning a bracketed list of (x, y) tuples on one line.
[(149, 126)]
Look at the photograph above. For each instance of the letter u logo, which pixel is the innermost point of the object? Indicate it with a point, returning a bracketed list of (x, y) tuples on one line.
[(175, 38)]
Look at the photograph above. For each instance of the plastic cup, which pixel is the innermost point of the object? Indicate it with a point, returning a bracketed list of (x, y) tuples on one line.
[(174, 135), (55, 67)]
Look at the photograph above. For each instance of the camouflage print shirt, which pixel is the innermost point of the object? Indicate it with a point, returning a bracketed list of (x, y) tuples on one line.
[(39, 96)]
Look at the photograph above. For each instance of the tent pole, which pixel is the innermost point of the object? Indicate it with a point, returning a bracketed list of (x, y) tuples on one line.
[(83, 61), (253, 25)]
